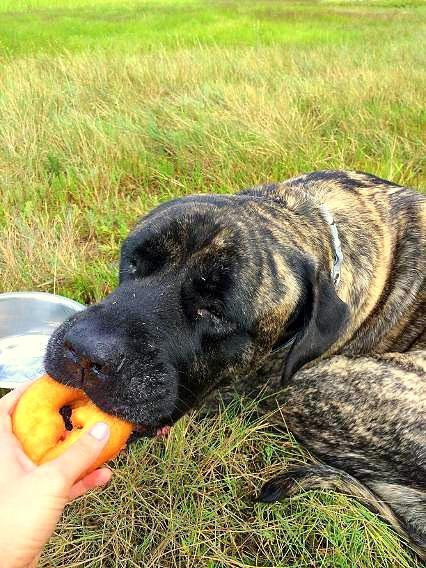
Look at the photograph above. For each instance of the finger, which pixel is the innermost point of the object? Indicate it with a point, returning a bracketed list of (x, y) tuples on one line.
[(7, 405), (11, 448), (22, 460), (77, 459), (9, 400), (14, 461), (97, 478)]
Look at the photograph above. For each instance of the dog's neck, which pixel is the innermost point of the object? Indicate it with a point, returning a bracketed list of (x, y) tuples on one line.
[(378, 247), (303, 203), (334, 238), (316, 209)]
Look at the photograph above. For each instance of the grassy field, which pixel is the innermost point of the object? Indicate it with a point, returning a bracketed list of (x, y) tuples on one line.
[(109, 107)]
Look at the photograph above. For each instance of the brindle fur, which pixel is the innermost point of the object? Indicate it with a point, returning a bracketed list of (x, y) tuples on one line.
[(366, 417), (211, 285)]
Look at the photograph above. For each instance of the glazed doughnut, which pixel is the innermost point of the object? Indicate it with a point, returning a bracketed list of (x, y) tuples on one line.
[(41, 429)]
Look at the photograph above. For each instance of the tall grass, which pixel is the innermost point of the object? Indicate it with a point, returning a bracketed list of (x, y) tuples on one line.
[(90, 141)]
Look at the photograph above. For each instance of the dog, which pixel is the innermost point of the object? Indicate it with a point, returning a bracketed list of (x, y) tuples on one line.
[(325, 271)]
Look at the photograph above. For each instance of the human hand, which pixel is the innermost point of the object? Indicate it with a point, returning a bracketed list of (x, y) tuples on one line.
[(32, 498)]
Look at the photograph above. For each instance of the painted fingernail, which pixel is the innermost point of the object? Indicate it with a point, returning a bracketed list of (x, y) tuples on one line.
[(99, 431)]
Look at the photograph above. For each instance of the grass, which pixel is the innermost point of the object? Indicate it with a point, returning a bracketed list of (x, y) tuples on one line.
[(108, 108), (188, 502), (46, 25)]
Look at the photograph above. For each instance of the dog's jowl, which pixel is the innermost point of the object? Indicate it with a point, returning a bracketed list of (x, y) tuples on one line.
[(325, 270)]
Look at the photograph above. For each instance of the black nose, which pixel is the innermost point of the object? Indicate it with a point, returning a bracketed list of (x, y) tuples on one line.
[(96, 356)]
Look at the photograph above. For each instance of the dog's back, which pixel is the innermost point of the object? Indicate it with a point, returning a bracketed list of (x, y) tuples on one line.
[(365, 417)]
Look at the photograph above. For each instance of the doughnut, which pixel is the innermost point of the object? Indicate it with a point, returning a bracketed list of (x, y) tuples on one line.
[(40, 427)]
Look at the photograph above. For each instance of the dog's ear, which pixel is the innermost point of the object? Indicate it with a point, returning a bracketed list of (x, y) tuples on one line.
[(324, 319)]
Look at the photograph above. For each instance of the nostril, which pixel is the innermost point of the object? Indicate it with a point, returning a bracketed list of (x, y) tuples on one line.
[(90, 357), (71, 353), (70, 347), (99, 371)]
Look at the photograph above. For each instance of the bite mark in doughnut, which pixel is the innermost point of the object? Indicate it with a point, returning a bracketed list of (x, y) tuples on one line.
[(38, 424)]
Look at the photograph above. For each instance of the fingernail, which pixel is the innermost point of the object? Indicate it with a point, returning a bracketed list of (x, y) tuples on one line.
[(99, 431)]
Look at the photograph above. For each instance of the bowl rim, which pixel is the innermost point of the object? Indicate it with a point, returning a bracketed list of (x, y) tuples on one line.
[(45, 297)]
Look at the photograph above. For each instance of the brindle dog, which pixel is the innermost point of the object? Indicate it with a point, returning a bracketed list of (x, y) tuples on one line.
[(327, 269)]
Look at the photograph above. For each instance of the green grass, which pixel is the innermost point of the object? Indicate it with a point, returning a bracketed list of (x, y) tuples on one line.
[(108, 108), (57, 26), (188, 502)]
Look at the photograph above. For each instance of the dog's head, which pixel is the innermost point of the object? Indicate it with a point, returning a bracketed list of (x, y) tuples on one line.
[(206, 290)]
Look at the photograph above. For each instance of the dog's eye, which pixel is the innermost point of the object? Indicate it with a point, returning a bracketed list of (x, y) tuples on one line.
[(203, 313), (208, 313)]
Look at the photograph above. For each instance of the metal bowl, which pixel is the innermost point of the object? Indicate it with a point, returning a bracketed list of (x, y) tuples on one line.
[(27, 320)]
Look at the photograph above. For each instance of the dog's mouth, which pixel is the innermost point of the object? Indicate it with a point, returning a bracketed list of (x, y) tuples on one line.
[(139, 430), (151, 432)]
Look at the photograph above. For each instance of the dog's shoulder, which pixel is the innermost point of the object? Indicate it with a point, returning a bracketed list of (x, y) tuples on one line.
[(324, 185), (356, 200)]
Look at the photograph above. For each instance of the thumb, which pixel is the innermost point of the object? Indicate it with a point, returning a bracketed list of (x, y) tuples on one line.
[(77, 459)]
